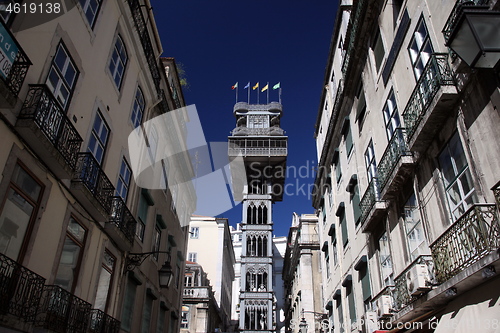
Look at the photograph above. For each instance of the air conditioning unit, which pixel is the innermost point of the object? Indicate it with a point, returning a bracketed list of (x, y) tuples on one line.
[(384, 306), (418, 280), (369, 319)]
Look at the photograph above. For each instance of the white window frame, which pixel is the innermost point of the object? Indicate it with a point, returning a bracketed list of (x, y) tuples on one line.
[(62, 76), (94, 11), (118, 61)]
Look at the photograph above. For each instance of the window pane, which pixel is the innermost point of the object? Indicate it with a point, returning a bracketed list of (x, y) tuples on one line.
[(14, 221), (68, 264), (76, 230), (102, 289), (128, 305), (26, 183)]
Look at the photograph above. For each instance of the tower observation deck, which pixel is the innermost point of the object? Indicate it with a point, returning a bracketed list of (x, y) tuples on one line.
[(259, 139)]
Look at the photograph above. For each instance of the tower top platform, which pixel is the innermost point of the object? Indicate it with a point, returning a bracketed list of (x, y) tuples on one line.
[(243, 108)]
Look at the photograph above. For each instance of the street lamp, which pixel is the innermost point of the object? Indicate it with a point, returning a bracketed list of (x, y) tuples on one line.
[(165, 273), (475, 37)]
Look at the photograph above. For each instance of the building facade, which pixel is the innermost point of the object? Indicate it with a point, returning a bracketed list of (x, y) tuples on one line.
[(301, 269), (200, 311), (259, 139), (81, 244), (407, 184), (211, 246)]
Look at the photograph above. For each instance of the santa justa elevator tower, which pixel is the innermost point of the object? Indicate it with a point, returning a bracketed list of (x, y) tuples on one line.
[(259, 139)]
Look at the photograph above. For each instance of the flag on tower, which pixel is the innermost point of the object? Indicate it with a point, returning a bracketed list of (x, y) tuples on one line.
[(256, 86), (265, 88), (277, 86), (247, 86), (235, 86)]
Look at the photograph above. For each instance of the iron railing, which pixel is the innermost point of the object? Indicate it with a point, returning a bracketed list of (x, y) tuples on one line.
[(353, 33), (61, 311), (100, 322), (371, 196), (472, 237), (437, 73), (454, 15), (258, 147), (396, 149), (122, 218), (20, 289), (242, 130), (89, 172), (16, 74), (401, 293), (42, 107)]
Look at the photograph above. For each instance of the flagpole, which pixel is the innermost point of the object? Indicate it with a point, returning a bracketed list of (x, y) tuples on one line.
[(279, 96), (248, 92), (236, 94), (267, 92), (258, 93)]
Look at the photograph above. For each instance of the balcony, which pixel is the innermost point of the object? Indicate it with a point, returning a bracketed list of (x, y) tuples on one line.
[(472, 237), (92, 187), (430, 103), (258, 147), (402, 294), (197, 292), (244, 107), (20, 290), (15, 65), (49, 132), (61, 312), (395, 165), (102, 323), (372, 207), (121, 225), (269, 131)]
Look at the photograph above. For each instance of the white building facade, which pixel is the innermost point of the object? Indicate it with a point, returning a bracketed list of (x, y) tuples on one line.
[(407, 184)]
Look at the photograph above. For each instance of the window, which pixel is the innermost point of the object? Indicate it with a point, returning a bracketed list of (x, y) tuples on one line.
[(153, 143), (340, 315), (194, 233), (415, 237), (385, 260), (335, 252), (98, 138), (327, 258), (138, 108), (19, 210), (371, 164), (338, 170), (457, 177), (361, 108), (350, 300), (349, 144), (185, 317), (146, 313), (391, 116), (364, 278), (105, 281), (128, 305), (193, 256), (71, 255), (156, 242), (142, 215), (118, 61), (123, 180), (160, 326), (343, 228), (91, 9), (62, 76), (355, 200), (378, 50), (420, 48)]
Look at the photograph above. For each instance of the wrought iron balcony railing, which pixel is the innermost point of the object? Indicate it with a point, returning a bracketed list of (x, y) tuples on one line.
[(196, 292), (14, 74), (258, 147), (100, 322), (454, 15), (472, 237), (242, 130), (436, 73), (372, 195), (352, 35), (61, 311), (396, 148), (89, 172), (20, 289), (402, 294), (122, 218), (41, 107)]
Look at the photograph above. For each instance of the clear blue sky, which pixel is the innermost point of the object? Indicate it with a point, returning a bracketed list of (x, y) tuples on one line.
[(223, 42)]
